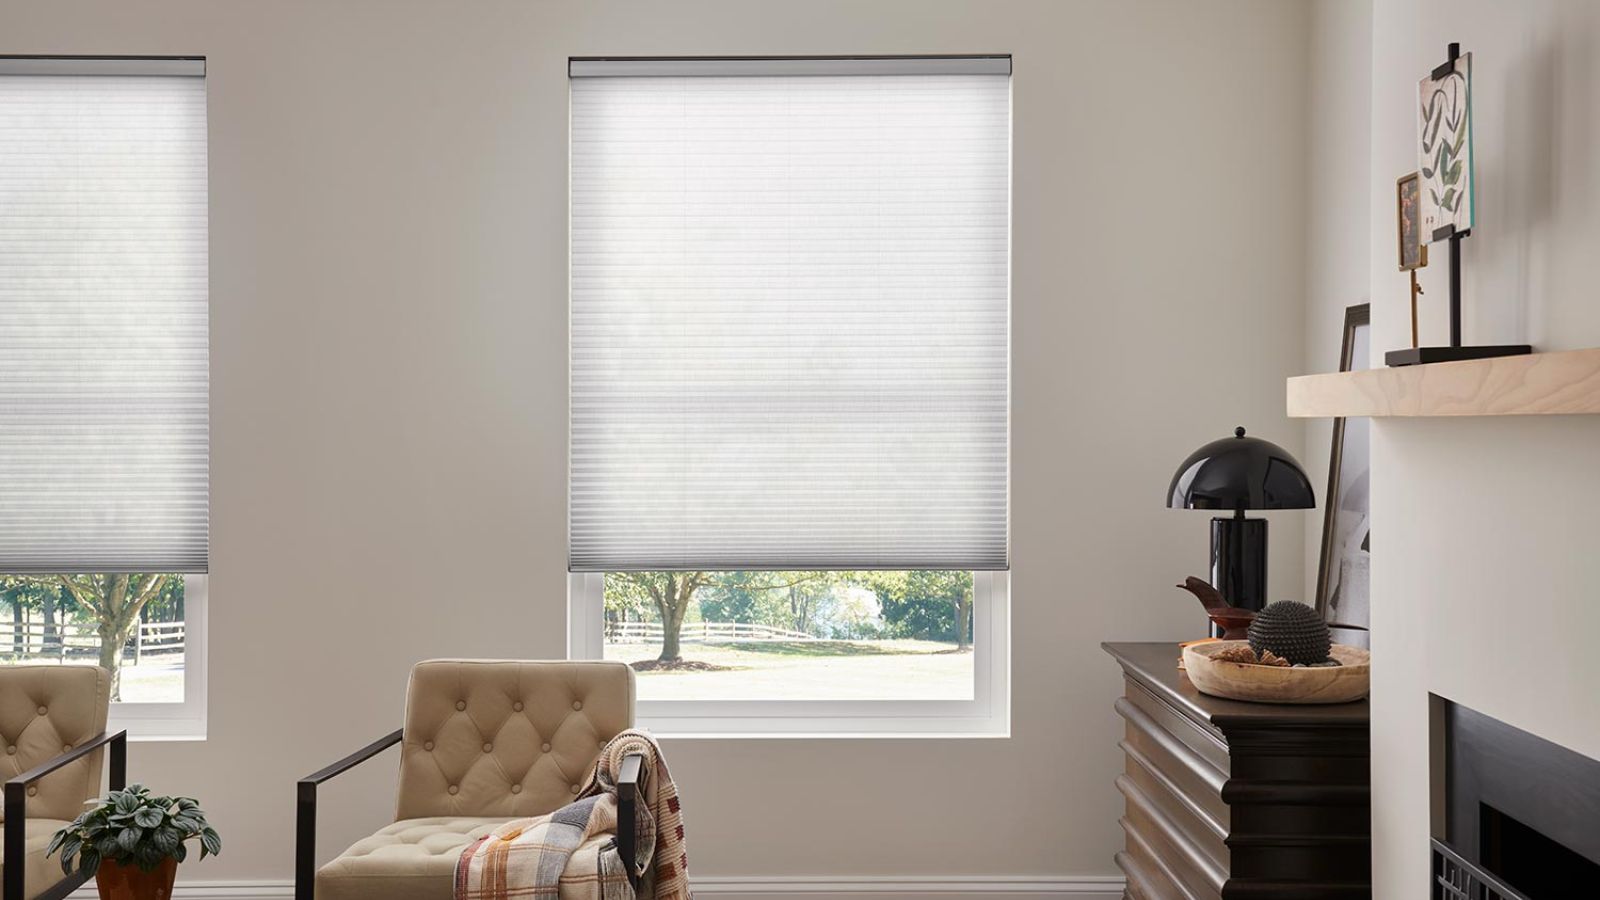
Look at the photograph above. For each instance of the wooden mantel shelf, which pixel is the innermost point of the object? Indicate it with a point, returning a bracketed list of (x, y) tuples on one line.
[(1539, 384)]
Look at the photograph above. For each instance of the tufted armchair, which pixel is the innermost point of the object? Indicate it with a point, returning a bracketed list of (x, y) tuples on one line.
[(483, 742), (52, 725)]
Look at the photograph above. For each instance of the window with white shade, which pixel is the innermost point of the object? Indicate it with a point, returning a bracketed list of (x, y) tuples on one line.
[(790, 389), (104, 377)]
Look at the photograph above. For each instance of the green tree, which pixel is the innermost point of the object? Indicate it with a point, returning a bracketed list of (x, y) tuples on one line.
[(928, 604), (742, 597), (115, 602), (782, 599), (670, 593), (25, 592), (792, 600)]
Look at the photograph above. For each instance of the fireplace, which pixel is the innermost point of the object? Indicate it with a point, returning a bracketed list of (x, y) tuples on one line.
[(1521, 814)]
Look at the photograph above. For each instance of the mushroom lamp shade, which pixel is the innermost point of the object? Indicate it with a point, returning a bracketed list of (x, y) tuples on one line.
[(1238, 474)]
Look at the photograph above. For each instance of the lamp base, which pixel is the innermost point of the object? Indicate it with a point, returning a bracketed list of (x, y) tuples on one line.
[(1239, 563)]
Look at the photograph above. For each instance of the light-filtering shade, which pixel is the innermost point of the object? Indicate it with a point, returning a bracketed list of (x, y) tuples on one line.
[(789, 324), (103, 340)]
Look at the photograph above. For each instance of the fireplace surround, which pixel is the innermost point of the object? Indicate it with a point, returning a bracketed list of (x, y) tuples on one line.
[(1520, 814)]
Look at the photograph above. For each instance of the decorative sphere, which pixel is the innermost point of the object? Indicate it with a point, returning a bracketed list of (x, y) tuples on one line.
[(1293, 631)]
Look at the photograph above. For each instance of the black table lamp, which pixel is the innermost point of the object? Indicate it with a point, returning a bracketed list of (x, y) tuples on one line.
[(1240, 473)]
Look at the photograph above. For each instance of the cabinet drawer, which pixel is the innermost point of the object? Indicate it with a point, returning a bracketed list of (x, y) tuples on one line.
[(1183, 773), (1202, 739)]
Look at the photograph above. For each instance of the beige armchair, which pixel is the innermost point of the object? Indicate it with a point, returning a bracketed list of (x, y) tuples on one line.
[(52, 731), (483, 742)]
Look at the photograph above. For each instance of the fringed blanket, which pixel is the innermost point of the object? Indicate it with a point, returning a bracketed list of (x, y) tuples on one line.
[(556, 857), (663, 856)]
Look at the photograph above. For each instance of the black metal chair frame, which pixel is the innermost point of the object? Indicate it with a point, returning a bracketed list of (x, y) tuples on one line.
[(16, 806), (305, 836)]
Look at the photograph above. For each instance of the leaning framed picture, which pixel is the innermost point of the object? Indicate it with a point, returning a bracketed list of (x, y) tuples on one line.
[(1344, 568)]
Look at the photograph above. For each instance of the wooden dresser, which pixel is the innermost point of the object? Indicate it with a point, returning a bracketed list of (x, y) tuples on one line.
[(1226, 799)]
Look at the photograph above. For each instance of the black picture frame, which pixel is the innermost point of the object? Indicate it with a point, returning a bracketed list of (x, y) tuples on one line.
[(1355, 317)]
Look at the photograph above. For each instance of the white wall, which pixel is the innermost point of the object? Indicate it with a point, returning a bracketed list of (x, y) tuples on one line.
[(389, 373), (1483, 576)]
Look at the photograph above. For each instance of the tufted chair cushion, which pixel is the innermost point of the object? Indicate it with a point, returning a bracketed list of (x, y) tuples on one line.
[(39, 871), (415, 859), (45, 711), (503, 739)]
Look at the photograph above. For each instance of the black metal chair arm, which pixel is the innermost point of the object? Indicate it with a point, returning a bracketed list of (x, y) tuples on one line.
[(354, 759), (627, 814), (15, 841), (305, 836)]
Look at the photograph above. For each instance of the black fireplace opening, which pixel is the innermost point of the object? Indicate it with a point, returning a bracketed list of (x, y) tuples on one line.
[(1528, 860), (1521, 813)]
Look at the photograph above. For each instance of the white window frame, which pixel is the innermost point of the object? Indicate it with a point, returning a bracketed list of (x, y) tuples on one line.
[(987, 714), (184, 721)]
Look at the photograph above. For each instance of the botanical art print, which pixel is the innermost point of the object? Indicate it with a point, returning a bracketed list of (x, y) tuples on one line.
[(1445, 119)]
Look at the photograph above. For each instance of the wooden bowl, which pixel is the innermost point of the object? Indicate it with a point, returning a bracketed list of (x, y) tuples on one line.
[(1278, 684)]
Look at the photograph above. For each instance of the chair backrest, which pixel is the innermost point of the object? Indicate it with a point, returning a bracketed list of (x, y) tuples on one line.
[(44, 712), (506, 737)]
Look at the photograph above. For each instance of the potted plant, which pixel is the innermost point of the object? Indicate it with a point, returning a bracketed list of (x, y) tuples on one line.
[(133, 842)]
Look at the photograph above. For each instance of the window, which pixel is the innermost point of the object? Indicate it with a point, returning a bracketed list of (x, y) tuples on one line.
[(104, 374), (790, 377), (876, 653)]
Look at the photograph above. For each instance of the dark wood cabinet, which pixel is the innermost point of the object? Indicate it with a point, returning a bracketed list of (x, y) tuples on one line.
[(1226, 799)]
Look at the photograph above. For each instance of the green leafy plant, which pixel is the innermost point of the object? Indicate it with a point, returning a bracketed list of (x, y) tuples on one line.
[(132, 827)]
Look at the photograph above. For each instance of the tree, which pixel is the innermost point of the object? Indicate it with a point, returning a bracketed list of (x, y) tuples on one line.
[(792, 599), (25, 592), (115, 602), (670, 593), (928, 604), (962, 598), (53, 600)]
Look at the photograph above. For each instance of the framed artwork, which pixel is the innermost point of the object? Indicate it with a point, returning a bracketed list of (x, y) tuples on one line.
[(1444, 115), (1344, 568), (1407, 200)]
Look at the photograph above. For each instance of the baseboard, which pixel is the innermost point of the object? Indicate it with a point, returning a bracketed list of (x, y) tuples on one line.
[(212, 890), (902, 887), (966, 887)]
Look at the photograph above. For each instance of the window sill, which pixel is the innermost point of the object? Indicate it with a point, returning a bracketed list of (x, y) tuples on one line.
[(135, 737), (144, 727), (716, 720), (678, 730)]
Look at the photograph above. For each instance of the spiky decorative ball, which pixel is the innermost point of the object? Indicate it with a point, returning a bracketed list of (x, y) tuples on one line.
[(1292, 630)]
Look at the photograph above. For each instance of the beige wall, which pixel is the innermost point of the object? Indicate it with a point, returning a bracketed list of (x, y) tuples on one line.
[(1483, 572), (1339, 129), (389, 375)]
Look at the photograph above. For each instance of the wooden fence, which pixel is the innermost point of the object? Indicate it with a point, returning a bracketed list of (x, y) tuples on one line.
[(33, 640), (701, 633)]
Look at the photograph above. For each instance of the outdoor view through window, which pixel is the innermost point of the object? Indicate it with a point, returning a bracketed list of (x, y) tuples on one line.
[(793, 635), (130, 624)]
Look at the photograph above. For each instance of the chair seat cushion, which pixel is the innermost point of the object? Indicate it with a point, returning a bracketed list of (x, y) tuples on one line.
[(39, 871), (415, 859)]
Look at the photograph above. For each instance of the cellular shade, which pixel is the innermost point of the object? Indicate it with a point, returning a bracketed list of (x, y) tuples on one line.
[(103, 338), (789, 321)]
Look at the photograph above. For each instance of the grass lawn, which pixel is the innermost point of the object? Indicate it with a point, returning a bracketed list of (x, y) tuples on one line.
[(808, 670), (157, 679)]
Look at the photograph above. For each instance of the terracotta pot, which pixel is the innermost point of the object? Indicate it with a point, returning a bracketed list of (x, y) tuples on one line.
[(119, 882)]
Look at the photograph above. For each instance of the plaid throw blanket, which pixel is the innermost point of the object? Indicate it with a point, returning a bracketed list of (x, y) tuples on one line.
[(555, 856)]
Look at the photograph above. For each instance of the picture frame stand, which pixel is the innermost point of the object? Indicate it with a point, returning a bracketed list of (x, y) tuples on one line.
[(1455, 352)]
